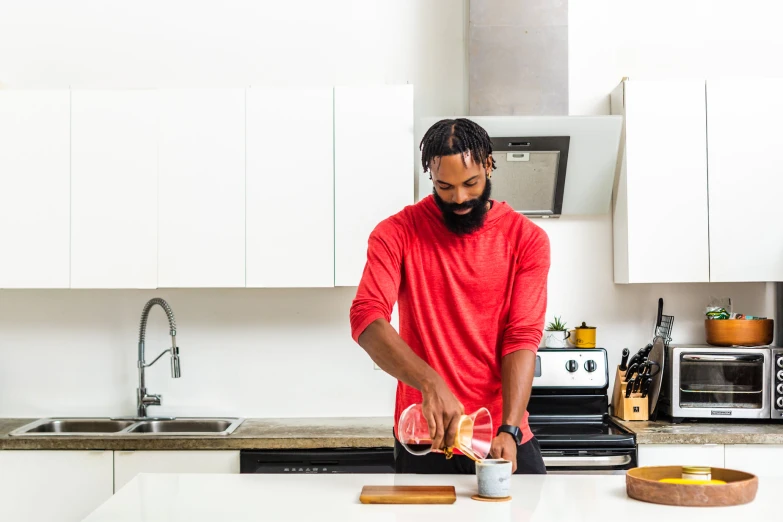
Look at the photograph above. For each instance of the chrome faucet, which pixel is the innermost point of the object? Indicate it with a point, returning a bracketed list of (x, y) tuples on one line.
[(143, 400)]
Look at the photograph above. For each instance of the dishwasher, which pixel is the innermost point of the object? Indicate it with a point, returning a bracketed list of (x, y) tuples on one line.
[(327, 460)]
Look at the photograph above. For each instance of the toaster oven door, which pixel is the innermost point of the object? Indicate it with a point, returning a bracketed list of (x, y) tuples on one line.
[(720, 383)]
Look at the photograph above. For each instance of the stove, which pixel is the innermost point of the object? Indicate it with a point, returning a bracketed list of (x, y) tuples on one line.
[(569, 414)]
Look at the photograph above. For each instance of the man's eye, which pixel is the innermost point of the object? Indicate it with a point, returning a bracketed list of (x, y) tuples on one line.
[(471, 184), (445, 188)]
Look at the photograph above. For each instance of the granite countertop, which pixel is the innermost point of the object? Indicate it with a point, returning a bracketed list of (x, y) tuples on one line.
[(358, 432), (662, 432)]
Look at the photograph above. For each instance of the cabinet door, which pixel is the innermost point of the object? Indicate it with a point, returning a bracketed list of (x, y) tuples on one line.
[(746, 179), (128, 464), (661, 215), (290, 187), (35, 189), (114, 188), (681, 455), (201, 208), (374, 169), (53, 485), (763, 460)]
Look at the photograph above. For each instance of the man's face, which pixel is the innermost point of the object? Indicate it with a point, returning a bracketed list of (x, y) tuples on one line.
[(461, 191)]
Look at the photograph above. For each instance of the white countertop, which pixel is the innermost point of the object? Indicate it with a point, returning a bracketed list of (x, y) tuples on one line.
[(202, 497)]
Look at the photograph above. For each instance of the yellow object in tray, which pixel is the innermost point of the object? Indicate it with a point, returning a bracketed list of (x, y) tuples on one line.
[(692, 481)]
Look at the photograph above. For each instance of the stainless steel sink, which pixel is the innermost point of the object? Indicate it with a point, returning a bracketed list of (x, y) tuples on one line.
[(185, 426), (75, 426), (107, 427)]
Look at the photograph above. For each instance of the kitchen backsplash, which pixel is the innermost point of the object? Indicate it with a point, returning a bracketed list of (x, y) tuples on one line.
[(288, 352)]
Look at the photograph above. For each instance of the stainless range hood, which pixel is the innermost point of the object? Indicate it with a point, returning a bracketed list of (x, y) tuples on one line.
[(548, 166)]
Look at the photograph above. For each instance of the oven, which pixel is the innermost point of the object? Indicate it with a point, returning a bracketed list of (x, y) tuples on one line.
[(722, 383), (568, 414)]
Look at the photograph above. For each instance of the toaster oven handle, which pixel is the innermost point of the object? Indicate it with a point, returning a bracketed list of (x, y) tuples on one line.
[(588, 462), (722, 357)]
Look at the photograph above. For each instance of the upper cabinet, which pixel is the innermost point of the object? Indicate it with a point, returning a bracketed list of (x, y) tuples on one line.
[(290, 187), (660, 198), (35, 182), (201, 187), (374, 168), (197, 188), (114, 189), (746, 179)]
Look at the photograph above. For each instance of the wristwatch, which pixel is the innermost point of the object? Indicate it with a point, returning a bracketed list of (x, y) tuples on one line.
[(514, 431)]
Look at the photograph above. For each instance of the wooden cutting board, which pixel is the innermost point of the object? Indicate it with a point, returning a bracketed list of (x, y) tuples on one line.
[(408, 495)]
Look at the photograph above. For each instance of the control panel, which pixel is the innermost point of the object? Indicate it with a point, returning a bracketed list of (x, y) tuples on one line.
[(777, 383), (573, 368)]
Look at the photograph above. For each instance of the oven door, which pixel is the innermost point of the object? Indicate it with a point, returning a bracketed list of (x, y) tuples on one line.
[(589, 462), (720, 383)]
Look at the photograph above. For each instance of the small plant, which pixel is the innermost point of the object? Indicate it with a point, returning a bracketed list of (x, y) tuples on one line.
[(556, 326)]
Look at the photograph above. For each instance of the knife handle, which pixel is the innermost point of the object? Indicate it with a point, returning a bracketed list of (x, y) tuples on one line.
[(624, 361), (629, 388)]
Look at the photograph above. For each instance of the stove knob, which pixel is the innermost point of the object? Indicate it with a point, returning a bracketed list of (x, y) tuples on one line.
[(780, 362), (573, 366), (590, 365), (780, 388), (779, 402), (780, 375)]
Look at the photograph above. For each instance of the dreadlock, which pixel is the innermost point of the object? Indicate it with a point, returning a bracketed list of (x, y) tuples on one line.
[(459, 136)]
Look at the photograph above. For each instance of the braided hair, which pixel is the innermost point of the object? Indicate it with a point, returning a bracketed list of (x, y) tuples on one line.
[(458, 136)]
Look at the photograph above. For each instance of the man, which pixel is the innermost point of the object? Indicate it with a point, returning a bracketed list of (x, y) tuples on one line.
[(470, 275)]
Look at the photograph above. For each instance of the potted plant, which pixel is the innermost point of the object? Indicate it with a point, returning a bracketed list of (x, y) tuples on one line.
[(556, 334)]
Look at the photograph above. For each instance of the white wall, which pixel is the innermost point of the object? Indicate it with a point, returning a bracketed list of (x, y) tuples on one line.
[(288, 352)]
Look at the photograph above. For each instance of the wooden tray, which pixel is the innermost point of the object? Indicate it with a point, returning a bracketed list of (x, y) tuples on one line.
[(408, 495), (642, 484)]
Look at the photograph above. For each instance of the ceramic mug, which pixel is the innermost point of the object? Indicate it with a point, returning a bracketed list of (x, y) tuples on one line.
[(583, 336), (556, 338), (494, 478)]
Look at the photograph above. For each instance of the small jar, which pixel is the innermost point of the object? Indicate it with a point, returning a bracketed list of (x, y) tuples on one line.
[(696, 473)]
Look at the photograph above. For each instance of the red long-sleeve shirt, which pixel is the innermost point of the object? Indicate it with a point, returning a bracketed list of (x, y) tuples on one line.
[(464, 301)]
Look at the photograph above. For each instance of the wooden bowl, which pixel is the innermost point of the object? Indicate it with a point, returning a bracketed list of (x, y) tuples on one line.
[(739, 332), (642, 484)]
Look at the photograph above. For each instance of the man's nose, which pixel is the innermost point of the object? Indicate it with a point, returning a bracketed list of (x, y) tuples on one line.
[(461, 195)]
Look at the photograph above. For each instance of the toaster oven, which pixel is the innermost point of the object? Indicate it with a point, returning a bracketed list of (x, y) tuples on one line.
[(709, 382)]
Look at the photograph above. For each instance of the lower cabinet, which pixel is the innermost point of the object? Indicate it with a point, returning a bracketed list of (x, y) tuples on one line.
[(128, 464), (764, 460), (681, 455), (53, 485)]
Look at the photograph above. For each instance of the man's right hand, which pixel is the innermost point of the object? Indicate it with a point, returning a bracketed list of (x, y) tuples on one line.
[(442, 411)]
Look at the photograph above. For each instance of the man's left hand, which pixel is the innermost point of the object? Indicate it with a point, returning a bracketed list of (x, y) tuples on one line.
[(505, 447)]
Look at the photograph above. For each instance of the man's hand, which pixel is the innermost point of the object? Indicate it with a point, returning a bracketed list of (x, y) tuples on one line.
[(505, 447), (442, 411)]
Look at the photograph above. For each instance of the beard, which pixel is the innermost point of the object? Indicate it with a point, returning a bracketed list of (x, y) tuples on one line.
[(470, 222)]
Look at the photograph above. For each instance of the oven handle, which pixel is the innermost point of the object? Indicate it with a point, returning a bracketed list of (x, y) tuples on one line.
[(719, 358), (587, 462)]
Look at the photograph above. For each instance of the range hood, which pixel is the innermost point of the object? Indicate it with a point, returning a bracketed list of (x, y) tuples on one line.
[(548, 166)]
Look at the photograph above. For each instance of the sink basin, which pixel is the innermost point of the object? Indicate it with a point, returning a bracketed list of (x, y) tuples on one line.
[(185, 426), (127, 427), (49, 427)]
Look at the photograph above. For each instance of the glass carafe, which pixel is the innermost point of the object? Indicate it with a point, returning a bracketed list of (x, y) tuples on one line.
[(474, 434)]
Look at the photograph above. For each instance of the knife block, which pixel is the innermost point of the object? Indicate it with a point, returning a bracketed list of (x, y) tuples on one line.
[(633, 408)]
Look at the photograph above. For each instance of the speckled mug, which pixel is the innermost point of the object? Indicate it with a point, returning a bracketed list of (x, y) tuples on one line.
[(494, 478)]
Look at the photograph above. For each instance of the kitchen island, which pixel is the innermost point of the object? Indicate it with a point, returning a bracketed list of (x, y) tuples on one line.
[(196, 498)]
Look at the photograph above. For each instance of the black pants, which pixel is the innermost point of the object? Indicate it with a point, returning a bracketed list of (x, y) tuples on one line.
[(529, 461)]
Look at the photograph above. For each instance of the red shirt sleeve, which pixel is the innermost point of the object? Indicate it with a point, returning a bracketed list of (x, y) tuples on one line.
[(525, 325), (380, 283)]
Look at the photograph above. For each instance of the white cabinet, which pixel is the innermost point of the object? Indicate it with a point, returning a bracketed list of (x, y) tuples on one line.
[(374, 168), (128, 464), (290, 187), (201, 207), (746, 179), (35, 189), (764, 460), (681, 455), (660, 213), (53, 485), (114, 187)]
